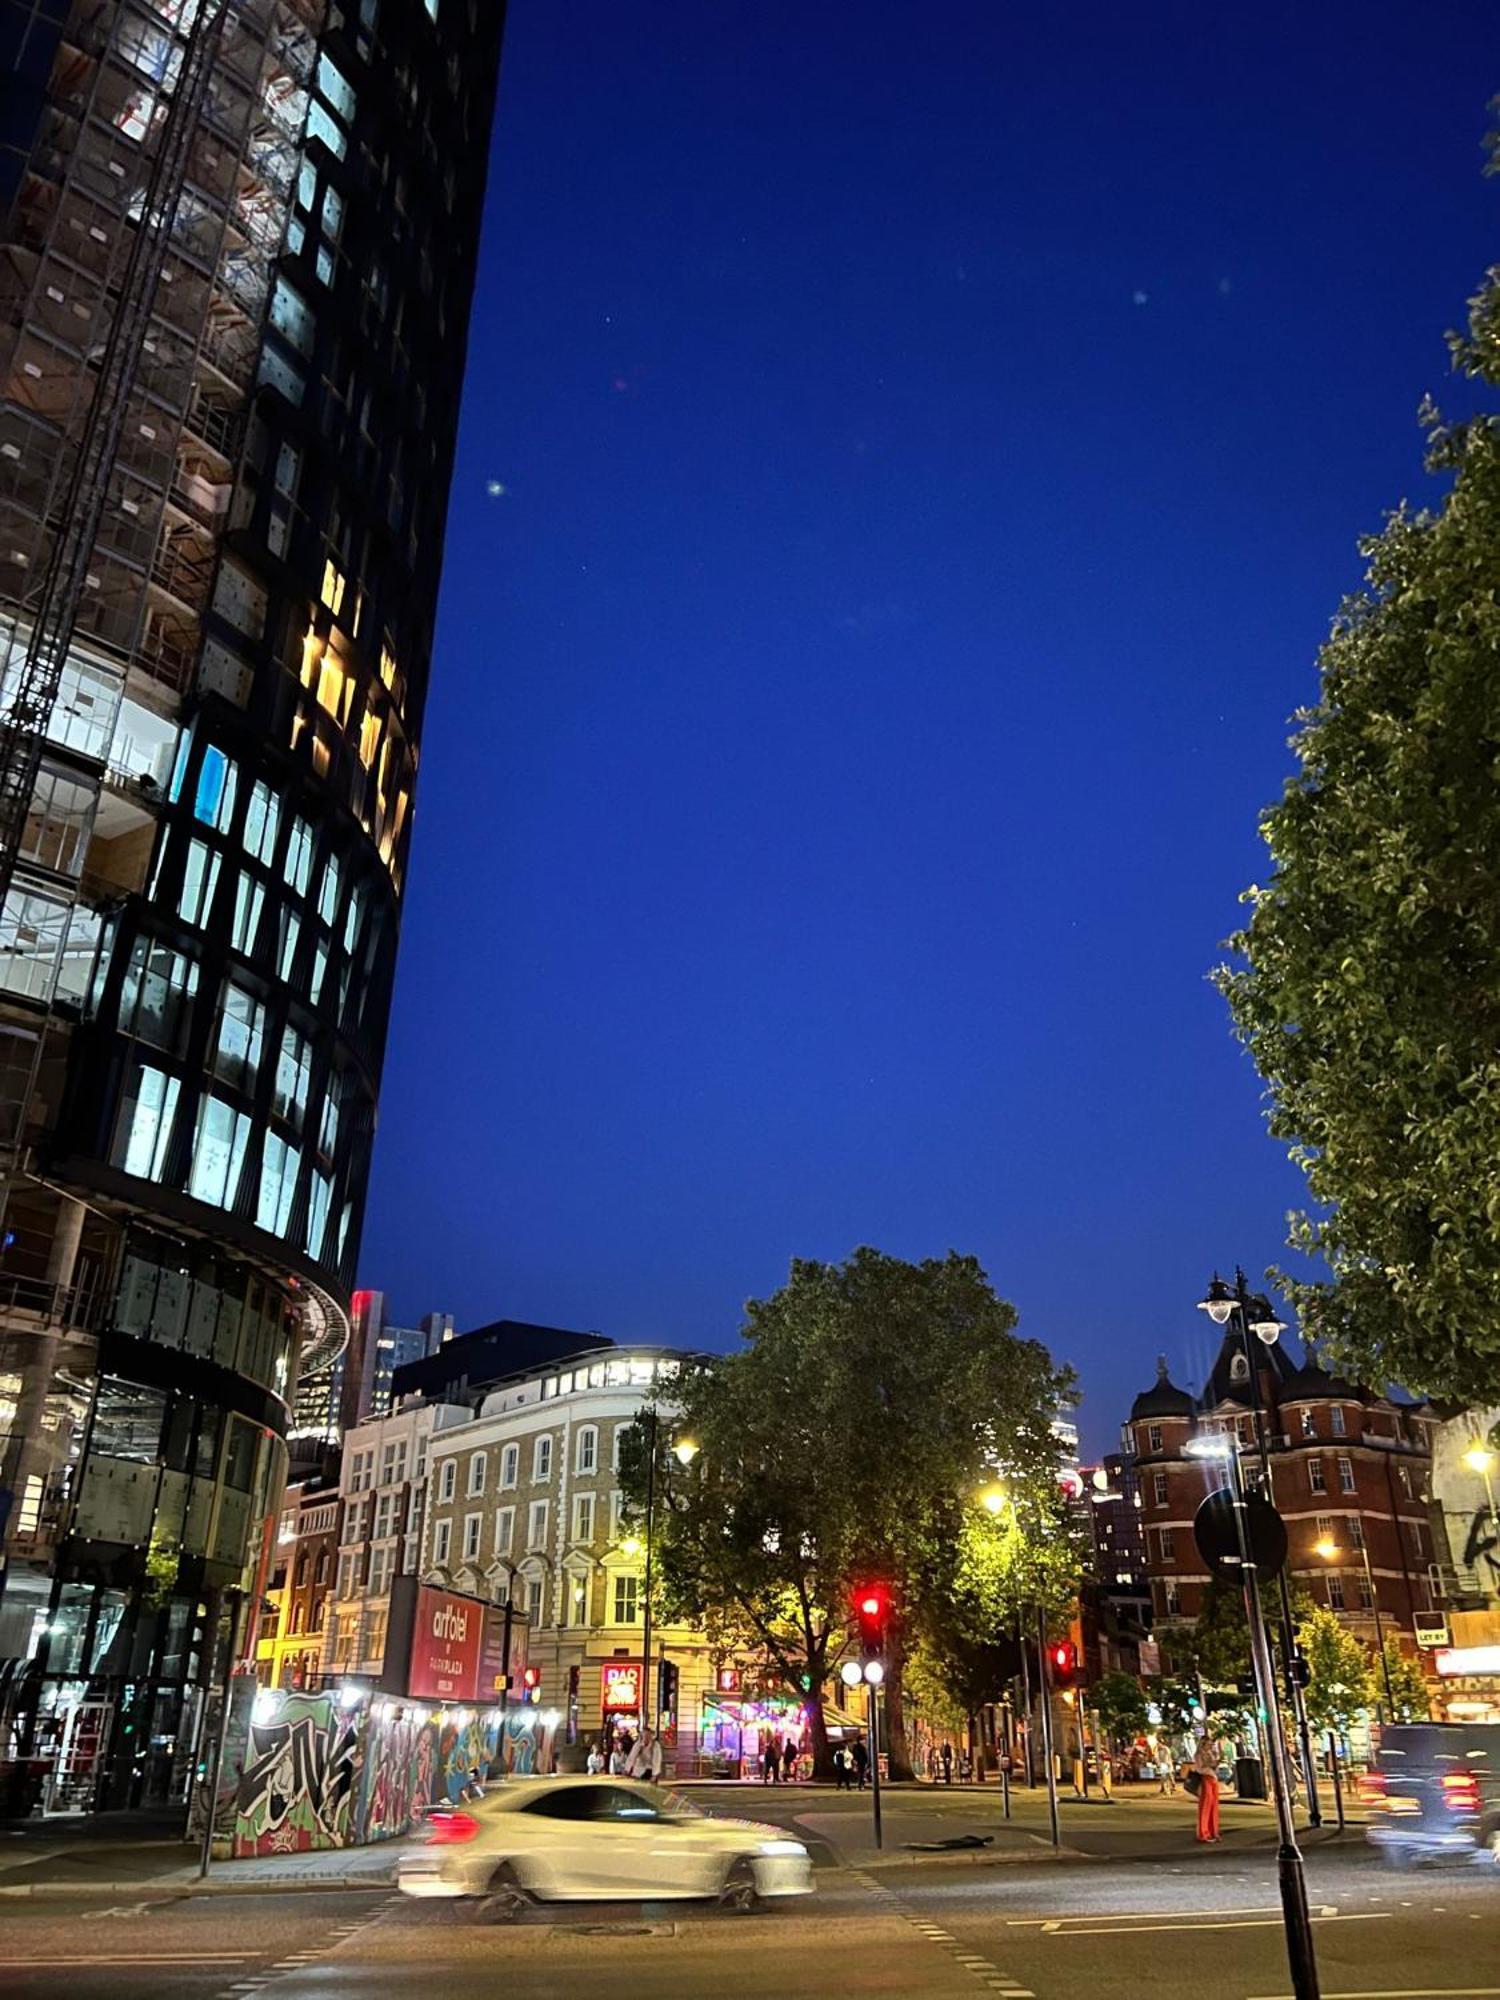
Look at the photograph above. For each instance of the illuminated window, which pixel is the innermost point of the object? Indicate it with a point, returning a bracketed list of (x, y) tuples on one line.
[(319, 1195), (333, 587), (213, 802), (388, 666), (291, 930), (218, 1152), (328, 891), (352, 917), (199, 879), (369, 737), (241, 1037), (249, 900), (278, 1183), (146, 1123), (298, 864), (156, 993), (335, 86), (262, 819), (292, 317), (321, 126), (293, 1070), (335, 688), (319, 972)]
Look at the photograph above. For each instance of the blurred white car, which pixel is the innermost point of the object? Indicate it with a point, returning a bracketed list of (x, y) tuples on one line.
[(599, 1840)]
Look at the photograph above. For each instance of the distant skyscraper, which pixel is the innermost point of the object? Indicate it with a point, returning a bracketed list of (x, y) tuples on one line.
[(240, 239)]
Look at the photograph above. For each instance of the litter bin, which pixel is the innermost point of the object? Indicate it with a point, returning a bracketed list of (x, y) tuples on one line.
[(1249, 1778)]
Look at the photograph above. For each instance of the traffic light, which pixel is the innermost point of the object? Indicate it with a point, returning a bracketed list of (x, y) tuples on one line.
[(531, 1684), (1300, 1672), (666, 1689), (872, 1607), (1062, 1662)]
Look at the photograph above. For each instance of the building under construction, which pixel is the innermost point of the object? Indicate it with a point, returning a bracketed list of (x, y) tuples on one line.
[(239, 240)]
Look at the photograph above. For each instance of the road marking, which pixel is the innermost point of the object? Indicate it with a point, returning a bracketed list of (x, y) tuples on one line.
[(1126, 1916), (1096, 1928), (141, 1958), (1402, 1993)]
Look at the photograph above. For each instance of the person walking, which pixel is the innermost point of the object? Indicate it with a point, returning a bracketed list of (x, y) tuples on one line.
[(842, 1770), (1206, 1769), (861, 1762), (947, 1763), (770, 1764), (788, 1761)]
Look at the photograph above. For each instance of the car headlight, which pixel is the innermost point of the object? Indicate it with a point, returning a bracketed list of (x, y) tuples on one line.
[(782, 1847)]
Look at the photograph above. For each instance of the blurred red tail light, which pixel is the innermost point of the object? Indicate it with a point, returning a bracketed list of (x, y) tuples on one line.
[(1373, 1785), (1461, 1791), (451, 1829)]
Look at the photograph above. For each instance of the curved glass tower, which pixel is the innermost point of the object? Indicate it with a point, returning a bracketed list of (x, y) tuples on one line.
[(238, 251)]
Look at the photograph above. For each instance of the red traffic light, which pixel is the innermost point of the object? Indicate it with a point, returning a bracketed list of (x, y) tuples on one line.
[(1063, 1660), (531, 1681), (871, 1605)]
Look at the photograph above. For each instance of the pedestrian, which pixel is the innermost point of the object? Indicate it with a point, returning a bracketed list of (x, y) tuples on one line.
[(842, 1769), (618, 1756), (770, 1764), (1206, 1769), (595, 1759), (656, 1759), (966, 1767), (861, 1762), (947, 1762), (789, 1760)]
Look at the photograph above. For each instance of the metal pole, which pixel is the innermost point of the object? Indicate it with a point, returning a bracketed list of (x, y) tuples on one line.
[(1338, 1790), (1385, 1665), (217, 1765), (874, 1718), (1007, 1749), (1046, 1706), (646, 1626), (1026, 1705), (1294, 1689), (1301, 1956), (506, 1631)]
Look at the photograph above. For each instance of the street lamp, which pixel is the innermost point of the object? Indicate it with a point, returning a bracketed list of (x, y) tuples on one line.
[(1330, 1551), (1223, 1302), (1479, 1458), (685, 1450), (1300, 1953), (996, 1499)]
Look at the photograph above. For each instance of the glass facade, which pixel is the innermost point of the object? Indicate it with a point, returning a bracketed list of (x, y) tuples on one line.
[(198, 936)]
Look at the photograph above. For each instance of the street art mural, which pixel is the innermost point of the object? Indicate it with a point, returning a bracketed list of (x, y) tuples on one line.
[(318, 1772)]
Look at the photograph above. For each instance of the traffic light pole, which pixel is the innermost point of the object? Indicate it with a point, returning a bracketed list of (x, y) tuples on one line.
[(1046, 1705), (872, 1697), (1301, 1957)]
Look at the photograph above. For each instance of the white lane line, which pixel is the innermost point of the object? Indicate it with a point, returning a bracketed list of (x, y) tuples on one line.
[(1234, 1924), (141, 1958), (1124, 1916)]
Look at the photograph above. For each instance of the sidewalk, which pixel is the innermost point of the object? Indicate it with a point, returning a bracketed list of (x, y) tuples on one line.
[(120, 1861)]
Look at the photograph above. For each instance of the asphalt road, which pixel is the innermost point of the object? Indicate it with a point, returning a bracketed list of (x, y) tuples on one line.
[(1184, 1926)]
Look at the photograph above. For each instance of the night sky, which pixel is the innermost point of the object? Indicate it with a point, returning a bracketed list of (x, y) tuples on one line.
[(910, 458)]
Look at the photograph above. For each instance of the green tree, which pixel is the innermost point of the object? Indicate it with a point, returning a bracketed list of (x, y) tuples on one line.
[(1408, 1685), (1121, 1702), (1175, 1700), (1340, 1681), (1219, 1643), (845, 1441), (1367, 987)]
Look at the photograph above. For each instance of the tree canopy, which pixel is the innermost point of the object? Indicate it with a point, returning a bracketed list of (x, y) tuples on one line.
[(1367, 987), (1409, 1695), (1340, 1682), (846, 1441)]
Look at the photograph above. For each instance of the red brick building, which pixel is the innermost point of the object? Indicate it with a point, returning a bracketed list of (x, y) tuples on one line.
[(290, 1652), (1350, 1468)]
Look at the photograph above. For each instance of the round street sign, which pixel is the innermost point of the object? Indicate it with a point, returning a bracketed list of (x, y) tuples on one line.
[(1219, 1543)]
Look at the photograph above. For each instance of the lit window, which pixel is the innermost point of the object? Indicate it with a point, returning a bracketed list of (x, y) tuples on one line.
[(319, 1196), (332, 592), (179, 767), (328, 1125), (146, 1123), (328, 891), (241, 1034), (199, 879), (278, 1183), (262, 818), (321, 126), (249, 900), (293, 1071), (369, 738), (319, 972), (218, 1152), (335, 86), (291, 930), (213, 801), (352, 917), (298, 864), (292, 317), (156, 993), (388, 666)]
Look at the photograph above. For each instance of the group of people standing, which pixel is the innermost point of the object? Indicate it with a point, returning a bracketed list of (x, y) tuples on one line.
[(851, 1766), (625, 1756), (779, 1766)]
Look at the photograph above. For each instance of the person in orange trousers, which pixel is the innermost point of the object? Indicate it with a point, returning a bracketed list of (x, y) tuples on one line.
[(1206, 1764)]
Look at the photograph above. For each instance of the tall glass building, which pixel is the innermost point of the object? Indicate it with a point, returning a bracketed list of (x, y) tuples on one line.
[(239, 240)]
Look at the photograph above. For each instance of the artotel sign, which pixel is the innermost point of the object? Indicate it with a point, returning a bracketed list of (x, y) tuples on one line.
[(445, 1647)]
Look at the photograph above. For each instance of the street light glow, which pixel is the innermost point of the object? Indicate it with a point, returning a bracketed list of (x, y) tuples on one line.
[(1209, 1447), (993, 1499), (851, 1673), (685, 1450), (1479, 1458), (1327, 1549), (630, 1546)]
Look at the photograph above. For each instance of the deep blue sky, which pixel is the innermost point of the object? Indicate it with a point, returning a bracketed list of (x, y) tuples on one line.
[(934, 441)]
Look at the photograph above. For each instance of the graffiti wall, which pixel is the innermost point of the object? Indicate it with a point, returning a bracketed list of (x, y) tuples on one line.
[(320, 1772)]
